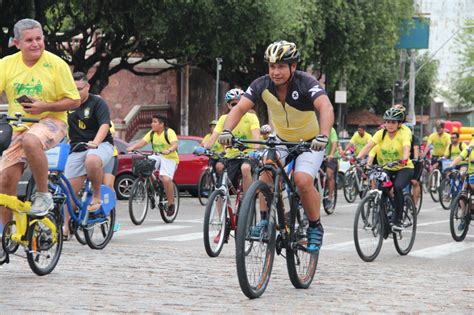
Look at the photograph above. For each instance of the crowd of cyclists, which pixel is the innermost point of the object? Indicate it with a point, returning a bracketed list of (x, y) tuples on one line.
[(40, 85)]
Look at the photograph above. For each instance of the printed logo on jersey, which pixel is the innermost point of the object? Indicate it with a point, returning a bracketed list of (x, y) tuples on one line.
[(295, 95), (249, 91), (315, 90), (81, 125), (87, 112)]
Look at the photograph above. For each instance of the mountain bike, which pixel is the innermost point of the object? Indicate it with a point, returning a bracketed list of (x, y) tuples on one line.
[(208, 179), (41, 238), (321, 182), (220, 217), (148, 191), (462, 212), (254, 254), (434, 181), (374, 215), (355, 183)]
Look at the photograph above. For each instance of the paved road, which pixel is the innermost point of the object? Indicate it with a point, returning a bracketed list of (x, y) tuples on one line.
[(157, 267)]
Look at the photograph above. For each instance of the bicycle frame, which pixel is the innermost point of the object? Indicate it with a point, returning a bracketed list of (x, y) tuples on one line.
[(22, 221)]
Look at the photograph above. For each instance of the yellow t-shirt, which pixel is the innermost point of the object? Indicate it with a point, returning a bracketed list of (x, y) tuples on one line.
[(159, 143), (360, 142), (455, 151), (470, 158), (243, 130), (374, 151), (391, 150), (49, 80), (217, 147), (439, 143)]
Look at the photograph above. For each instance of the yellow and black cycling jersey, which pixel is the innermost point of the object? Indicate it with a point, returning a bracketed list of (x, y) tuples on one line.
[(296, 118)]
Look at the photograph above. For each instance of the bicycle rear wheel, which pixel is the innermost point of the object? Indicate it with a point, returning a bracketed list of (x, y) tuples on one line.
[(301, 264), (169, 216), (420, 200), (368, 229), (139, 201), (99, 234), (254, 254), (459, 218), (425, 180), (350, 189), (445, 196), (205, 187), (433, 181), (405, 239), (44, 248), (214, 228)]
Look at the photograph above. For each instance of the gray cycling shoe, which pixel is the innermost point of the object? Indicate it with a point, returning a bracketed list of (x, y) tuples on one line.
[(42, 204)]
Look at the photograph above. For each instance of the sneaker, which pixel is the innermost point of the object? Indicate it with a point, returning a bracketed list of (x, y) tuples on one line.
[(217, 238), (170, 210), (462, 225), (315, 238), (256, 231), (116, 227), (42, 204)]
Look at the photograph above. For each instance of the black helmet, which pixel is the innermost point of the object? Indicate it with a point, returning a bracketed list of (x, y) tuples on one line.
[(394, 114), (282, 52)]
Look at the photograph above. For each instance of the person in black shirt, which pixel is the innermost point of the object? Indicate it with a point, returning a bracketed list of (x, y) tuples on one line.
[(90, 123)]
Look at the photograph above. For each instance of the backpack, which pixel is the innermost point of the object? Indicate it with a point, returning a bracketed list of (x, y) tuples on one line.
[(166, 137), (451, 145)]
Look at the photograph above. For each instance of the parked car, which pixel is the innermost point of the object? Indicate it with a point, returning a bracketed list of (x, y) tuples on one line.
[(186, 177)]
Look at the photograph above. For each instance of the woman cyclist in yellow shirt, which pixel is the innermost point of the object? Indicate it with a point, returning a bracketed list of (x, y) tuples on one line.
[(394, 146)]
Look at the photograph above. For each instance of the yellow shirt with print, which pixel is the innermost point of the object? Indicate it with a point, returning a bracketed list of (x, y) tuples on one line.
[(374, 151), (360, 142), (439, 143), (243, 131), (456, 149), (391, 149), (159, 143), (465, 154), (216, 147), (49, 80)]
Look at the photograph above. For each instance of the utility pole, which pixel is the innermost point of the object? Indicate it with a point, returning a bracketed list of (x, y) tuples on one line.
[(218, 69), (411, 93)]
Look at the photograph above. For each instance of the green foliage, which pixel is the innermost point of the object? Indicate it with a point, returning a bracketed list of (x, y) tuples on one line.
[(463, 84), (425, 81)]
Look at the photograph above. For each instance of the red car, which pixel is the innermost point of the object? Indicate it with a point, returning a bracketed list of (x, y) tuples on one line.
[(186, 177)]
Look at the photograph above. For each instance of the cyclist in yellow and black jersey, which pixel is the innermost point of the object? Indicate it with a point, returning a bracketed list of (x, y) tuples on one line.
[(394, 146), (454, 149)]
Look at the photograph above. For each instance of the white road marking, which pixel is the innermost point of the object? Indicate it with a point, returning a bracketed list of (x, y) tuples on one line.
[(160, 228), (442, 250), (440, 233), (343, 246), (431, 223), (189, 221), (180, 237)]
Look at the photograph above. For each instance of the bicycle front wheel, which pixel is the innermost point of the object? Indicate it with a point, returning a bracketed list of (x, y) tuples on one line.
[(205, 187), (405, 239), (433, 181), (368, 229), (139, 201), (168, 215), (350, 189), (445, 196), (99, 234), (255, 244), (8, 244), (44, 246), (329, 202), (215, 223), (301, 264), (459, 218)]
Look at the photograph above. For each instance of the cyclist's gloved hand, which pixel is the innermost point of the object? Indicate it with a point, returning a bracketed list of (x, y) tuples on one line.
[(254, 155), (199, 150), (319, 143), (225, 138), (265, 129), (403, 162)]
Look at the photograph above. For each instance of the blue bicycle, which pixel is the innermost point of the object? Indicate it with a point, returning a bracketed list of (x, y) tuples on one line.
[(450, 187), (94, 228)]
